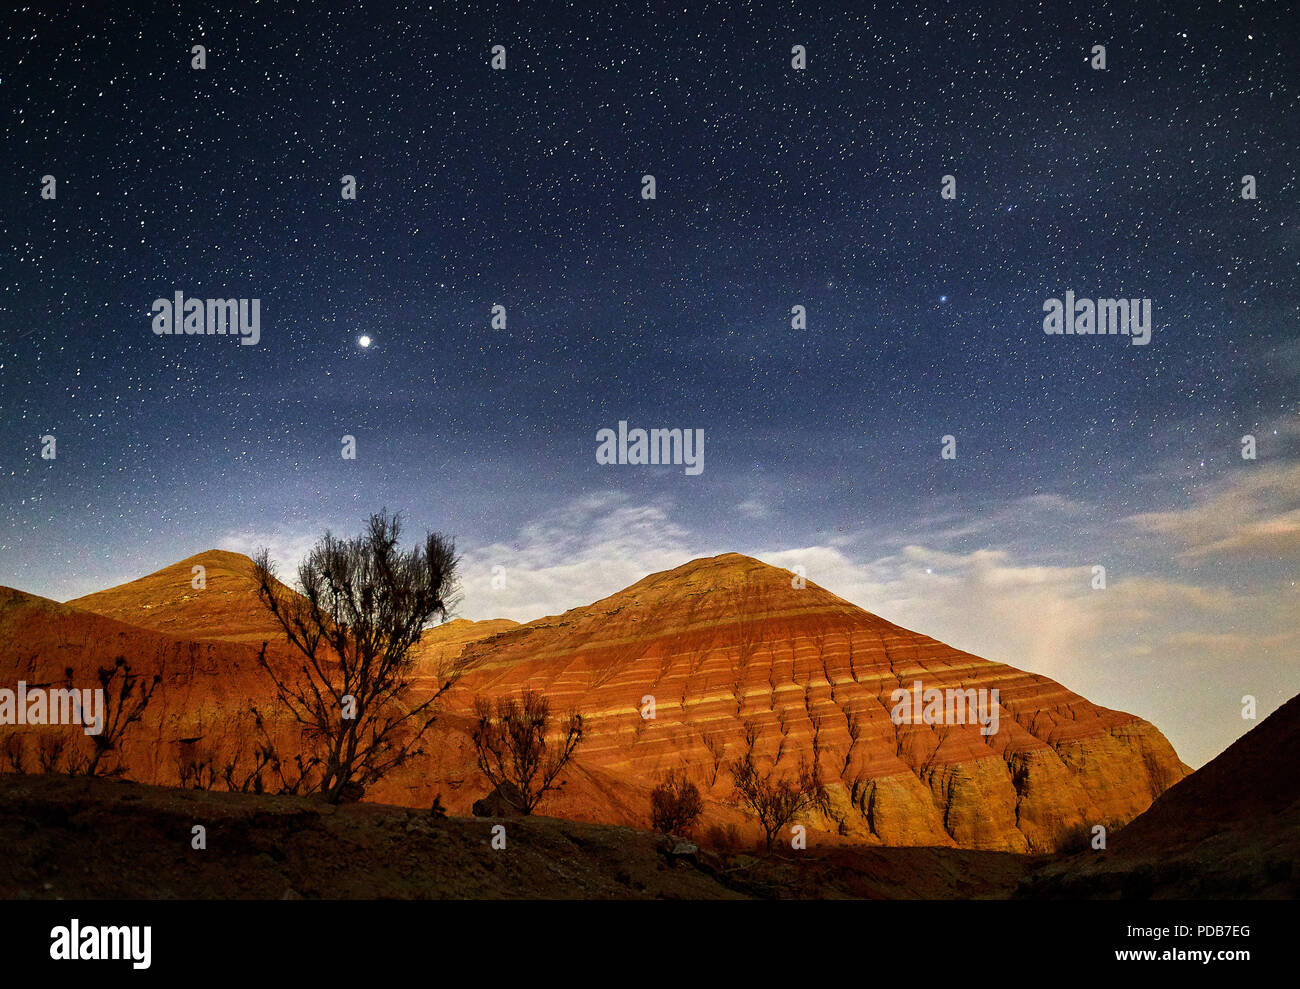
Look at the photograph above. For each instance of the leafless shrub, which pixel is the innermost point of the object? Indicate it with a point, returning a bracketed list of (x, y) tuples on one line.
[(723, 838), (260, 768), (675, 805), (49, 751), (14, 753), (513, 751), (777, 802)]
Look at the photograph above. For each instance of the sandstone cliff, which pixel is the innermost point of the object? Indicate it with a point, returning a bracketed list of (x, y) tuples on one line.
[(727, 650), (727, 646)]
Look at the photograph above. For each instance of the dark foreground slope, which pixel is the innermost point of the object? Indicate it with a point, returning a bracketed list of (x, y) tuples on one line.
[(98, 839), (1230, 830)]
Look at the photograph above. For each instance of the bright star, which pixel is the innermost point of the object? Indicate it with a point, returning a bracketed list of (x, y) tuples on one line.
[(364, 341)]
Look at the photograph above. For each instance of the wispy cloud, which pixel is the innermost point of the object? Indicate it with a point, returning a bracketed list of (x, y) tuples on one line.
[(1254, 512), (1129, 645), (287, 546), (1178, 646), (572, 556)]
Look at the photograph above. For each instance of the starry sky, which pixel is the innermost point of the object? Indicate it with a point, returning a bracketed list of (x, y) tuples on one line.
[(775, 187)]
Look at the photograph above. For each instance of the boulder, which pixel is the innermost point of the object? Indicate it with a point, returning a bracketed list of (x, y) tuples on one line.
[(503, 801)]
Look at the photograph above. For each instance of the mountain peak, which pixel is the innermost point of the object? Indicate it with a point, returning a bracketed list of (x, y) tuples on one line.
[(734, 572), (733, 651), (737, 562), (219, 556), (218, 602)]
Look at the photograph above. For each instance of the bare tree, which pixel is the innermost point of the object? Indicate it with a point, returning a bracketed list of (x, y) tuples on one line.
[(14, 753), (126, 695), (361, 605), (252, 764), (777, 802), (49, 751), (675, 805), (513, 751), (247, 777)]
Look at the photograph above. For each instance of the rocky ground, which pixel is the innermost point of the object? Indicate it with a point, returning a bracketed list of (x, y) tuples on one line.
[(80, 838)]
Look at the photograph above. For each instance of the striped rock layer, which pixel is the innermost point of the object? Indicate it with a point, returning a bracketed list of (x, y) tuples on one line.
[(724, 652), (729, 649)]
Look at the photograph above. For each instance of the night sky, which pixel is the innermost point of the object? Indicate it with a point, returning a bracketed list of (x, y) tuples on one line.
[(775, 188)]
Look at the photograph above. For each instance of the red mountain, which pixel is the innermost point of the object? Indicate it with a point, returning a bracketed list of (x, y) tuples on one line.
[(730, 650)]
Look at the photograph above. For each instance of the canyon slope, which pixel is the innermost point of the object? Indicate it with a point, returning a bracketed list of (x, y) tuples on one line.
[(726, 653), (1230, 830), (730, 649)]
